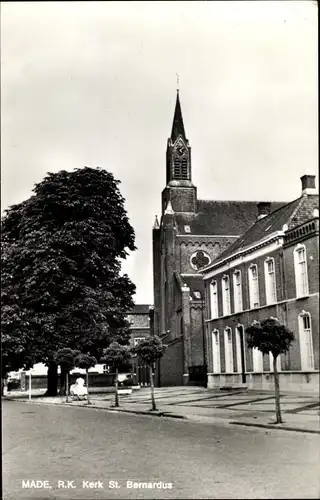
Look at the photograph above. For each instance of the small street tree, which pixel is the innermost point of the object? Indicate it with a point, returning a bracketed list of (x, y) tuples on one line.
[(66, 357), (268, 336), (149, 351), (85, 361), (116, 355)]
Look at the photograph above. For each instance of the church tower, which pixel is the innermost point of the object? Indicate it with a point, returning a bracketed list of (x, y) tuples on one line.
[(190, 234), (179, 190)]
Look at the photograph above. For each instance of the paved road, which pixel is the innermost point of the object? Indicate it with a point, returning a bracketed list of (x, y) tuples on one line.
[(53, 443)]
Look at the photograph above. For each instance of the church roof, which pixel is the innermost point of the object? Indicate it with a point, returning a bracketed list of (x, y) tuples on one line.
[(177, 126), (225, 218), (292, 214), (140, 309)]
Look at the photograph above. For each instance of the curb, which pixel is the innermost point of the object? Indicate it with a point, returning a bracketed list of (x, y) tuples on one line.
[(110, 409), (144, 412), (170, 415), (276, 427)]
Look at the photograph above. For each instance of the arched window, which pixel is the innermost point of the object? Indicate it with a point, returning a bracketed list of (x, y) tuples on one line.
[(184, 168), (301, 270), (214, 299), (257, 359), (253, 286), (305, 340), (240, 340), (270, 279), (228, 351), (226, 295), (180, 168), (237, 291), (216, 351), (271, 362)]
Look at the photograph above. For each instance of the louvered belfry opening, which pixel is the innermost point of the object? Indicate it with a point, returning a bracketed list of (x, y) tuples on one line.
[(180, 169)]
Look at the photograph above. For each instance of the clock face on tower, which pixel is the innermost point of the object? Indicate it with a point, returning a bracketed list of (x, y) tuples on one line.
[(180, 150)]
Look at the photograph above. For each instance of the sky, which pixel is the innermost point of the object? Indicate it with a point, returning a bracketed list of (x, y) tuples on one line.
[(94, 84)]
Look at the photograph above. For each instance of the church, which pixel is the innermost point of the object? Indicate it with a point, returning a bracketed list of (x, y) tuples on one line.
[(190, 234)]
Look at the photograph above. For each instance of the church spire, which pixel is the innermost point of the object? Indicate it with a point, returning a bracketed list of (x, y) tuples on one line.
[(177, 126), (179, 188)]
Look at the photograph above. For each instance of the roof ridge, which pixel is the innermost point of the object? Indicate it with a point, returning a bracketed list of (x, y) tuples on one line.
[(260, 222), (296, 209), (276, 210), (242, 201)]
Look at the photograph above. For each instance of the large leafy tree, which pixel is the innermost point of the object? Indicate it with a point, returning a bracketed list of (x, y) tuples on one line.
[(61, 257), (15, 337), (269, 335)]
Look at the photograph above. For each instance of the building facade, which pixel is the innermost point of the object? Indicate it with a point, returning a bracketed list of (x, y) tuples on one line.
[(272, 270), (191, 234), (140, 319)]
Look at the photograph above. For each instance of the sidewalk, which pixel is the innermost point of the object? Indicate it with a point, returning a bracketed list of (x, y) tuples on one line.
[(300, 412)]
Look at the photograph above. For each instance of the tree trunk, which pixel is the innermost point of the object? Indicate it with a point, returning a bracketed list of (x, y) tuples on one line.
[(87, 382), (277, 390), (153, 402), (116, 403), (67, 387), (52, 380)]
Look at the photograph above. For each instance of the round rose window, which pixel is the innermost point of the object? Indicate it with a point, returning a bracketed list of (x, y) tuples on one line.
[(199, 259)]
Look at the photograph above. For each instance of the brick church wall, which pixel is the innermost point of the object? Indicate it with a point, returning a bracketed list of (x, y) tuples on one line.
[(170, 372), (196, 336), (186, 245)]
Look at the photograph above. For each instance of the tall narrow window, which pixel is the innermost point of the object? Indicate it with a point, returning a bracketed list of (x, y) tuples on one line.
[(228, 350), (301, 271), (216, 351), (226, 295), (239, 341), (270, 278), (257, 358), (237, 291), (253, 286), (184, 168), (306, 345), (180, 164), (271, 362), (214, 299)]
